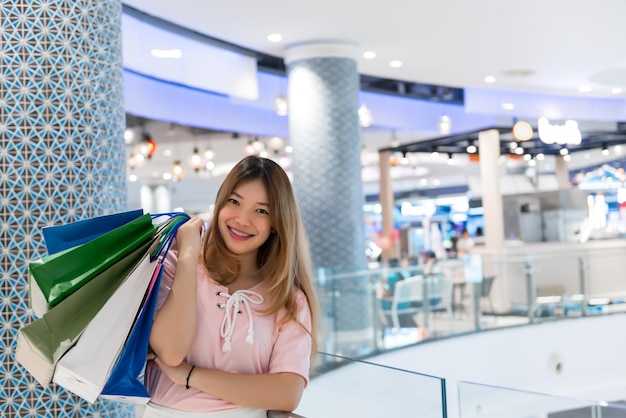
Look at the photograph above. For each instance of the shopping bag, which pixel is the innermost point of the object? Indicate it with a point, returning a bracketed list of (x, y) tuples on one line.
[(41, 343), (126, 382), (62, 237), (84, 369), (54, 277)]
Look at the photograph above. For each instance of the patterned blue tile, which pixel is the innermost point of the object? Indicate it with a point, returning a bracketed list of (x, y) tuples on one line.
[(325, 133), (62, 158)]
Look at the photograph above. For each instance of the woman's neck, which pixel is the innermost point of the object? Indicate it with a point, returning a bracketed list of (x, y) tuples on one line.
[(249, 275)]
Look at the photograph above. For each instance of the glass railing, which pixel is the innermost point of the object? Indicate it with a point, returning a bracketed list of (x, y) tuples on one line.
[(487, 292), (484, 401), (522, 287), (363, 389)]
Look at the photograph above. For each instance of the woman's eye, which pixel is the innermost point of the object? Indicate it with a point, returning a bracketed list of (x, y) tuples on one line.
[(263, 211), (233, 201)]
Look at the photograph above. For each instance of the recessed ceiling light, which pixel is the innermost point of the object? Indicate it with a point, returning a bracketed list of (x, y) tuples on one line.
[(275, 37), (616, 90), (368, 55), (395, 64), (490, 79), (507, 106), (167, 53), (584, 89)]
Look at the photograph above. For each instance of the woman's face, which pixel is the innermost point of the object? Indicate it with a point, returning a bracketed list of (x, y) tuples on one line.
[(244, 222)]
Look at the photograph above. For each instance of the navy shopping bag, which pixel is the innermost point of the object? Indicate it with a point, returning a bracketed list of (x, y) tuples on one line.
[(61, 237)]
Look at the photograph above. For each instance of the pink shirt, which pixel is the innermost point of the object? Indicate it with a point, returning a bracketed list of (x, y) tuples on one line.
[(274, 349)]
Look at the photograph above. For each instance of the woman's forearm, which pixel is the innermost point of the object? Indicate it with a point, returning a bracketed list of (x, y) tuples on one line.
[(275, 391), (174, 326)]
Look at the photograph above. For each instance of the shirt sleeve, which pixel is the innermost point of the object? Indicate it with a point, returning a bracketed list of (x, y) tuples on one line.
[(167, 279), (292, 349)]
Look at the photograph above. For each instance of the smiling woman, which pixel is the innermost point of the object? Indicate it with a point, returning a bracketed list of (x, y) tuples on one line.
[(237, 316)]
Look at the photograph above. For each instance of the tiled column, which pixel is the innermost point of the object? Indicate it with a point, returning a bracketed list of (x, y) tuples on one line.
[(323, 86), (62, 159)]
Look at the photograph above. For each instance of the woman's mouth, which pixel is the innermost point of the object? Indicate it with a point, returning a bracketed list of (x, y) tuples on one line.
[(237, 234)]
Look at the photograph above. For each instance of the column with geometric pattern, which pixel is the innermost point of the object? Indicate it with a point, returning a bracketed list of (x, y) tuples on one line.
[(323, 87), (62, 159)]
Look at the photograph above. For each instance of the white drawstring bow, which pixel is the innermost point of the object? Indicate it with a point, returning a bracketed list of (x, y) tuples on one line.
[(244, 297)]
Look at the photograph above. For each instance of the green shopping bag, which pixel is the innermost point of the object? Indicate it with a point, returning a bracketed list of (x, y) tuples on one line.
[(41, 343), (54, 277)]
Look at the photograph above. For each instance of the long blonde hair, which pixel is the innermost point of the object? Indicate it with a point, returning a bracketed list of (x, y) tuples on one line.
[(284, 260)]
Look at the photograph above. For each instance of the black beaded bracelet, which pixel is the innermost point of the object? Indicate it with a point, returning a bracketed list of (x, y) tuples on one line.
[(188, 376)]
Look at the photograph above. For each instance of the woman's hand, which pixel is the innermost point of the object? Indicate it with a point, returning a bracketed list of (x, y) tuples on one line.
[(189, 238), (177, 374)]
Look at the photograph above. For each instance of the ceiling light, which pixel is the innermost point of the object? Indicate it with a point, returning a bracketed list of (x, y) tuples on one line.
[(490, 79), (368, 55), (519, 150), (605, 150), (444, 125), (567, 157), (507, 106), (395, 64), (616, 90), (167, 53), (275, 37), (177, 171), (196, 160), (584, 89), (129, 136), (148, 147), (365, 116), (522, 131), (540, 156), (563, 151), (471, 148), (281, 106), (167, 176), (132, 178), (275, 143)]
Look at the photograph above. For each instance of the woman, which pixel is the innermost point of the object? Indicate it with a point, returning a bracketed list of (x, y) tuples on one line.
[(234, 335), (465, 244)]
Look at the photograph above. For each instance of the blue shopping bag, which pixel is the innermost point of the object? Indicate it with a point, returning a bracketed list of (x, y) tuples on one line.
[(61, 237), (126, 383)]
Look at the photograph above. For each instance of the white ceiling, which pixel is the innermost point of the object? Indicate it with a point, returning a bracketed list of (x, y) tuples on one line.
[(535, 45), (553, 46)]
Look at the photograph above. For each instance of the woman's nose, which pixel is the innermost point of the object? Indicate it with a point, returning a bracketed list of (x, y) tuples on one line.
[(242, 219)]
